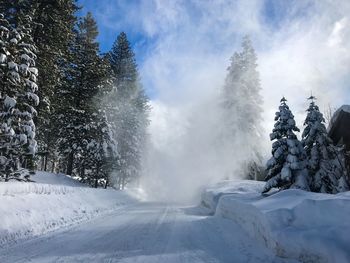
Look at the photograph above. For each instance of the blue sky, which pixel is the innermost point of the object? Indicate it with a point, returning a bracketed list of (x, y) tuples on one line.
[(114, 16), (110, 15)]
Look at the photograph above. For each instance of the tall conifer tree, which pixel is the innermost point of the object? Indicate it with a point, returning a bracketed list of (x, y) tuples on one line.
[(325, 162), (52, 32), (80, 117), (18, 99), (242, 107), (129, 113)]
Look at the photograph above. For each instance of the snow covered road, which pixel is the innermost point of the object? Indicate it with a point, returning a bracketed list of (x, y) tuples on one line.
[(145, 232)]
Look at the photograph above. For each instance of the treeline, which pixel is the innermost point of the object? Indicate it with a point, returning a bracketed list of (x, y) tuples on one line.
[(92, 116), (313, 163)]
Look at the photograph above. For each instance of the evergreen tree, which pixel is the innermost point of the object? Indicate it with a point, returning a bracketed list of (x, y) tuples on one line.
[(325, 163), (53, 23), (18, 99), (102, 149), (15, 11), (101, 152), (79, 118), (8, 160), (287, 166), (53, 33), (129, 110), (241, 105)]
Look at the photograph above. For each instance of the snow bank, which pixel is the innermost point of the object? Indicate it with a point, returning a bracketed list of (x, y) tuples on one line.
[(210, 196), (296, 224), (31, 209)]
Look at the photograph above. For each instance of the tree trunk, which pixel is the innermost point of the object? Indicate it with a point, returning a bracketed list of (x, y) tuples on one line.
[(96, 183), (7, 177), (42, 163), (119, 182), (70, 163), (97, 175), (53, 166), (82, 171), (123, 183), (24, 163), (45, 163)]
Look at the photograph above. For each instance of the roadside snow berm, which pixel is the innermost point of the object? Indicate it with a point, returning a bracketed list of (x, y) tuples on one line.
[(33, 209), (309, 227)]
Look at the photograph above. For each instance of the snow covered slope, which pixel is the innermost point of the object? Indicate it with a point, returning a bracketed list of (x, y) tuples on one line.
[(31, 209), (305, 226)]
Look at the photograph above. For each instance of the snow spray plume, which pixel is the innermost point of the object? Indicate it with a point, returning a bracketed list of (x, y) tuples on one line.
[(301, 45)]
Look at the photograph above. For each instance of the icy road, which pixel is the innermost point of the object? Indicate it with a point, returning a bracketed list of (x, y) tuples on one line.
[(146, 232)]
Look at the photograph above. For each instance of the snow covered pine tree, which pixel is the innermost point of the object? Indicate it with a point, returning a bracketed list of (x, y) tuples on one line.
[(54, 22), (325, 162), (85, 137), (287, 166), (7, 160), (18, 99)]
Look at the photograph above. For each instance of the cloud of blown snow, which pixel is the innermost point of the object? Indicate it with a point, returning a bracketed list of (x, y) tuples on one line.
[(302, 46)]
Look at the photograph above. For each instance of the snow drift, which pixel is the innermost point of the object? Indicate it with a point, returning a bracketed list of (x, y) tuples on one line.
[(32, 209), (306, 226)]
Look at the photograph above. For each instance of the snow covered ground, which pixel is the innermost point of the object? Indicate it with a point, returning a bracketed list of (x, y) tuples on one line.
[(295, 224), (54, 201), (57, 219)]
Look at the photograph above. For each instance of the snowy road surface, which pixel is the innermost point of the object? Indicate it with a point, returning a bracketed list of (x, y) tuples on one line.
[(146, 232)]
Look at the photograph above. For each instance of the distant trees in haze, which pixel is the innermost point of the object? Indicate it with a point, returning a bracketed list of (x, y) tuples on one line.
[(241, 107)]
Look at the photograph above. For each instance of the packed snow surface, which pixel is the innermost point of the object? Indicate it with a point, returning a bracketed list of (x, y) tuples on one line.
[(306, 226)]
